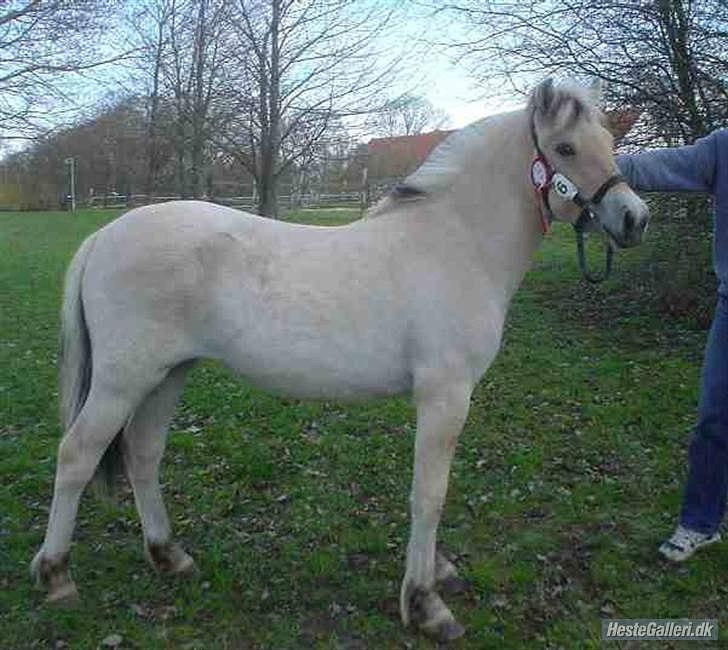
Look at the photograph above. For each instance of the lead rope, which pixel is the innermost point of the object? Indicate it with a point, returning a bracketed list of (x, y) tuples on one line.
[(584, 218)]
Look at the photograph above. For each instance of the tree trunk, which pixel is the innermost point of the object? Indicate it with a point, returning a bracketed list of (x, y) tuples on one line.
[(677, 31), (198, 109), (271, 112), (181, 171), (268, 197), (153, 154)]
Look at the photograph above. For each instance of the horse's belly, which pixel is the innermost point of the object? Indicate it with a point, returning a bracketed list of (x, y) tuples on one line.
[(349, 390), (322, 377), (321, 363)]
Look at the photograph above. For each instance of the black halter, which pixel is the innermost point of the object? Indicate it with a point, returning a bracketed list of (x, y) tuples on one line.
[(586, 216)]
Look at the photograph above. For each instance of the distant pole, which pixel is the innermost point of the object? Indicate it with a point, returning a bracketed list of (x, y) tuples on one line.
[(71, 162), (364, 194)]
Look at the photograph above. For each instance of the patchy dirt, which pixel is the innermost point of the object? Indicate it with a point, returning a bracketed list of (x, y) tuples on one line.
[(317, 626), (564, 572)]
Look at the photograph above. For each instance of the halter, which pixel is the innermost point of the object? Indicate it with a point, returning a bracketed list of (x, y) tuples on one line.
[(545, 179)]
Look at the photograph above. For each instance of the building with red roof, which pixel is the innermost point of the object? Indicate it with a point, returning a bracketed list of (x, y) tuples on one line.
[(394, 158)]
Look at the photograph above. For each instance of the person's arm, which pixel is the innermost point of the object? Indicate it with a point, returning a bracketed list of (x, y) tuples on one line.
[(680, 169)]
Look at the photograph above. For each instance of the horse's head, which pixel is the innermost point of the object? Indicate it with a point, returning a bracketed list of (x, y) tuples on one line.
[(569, 135)]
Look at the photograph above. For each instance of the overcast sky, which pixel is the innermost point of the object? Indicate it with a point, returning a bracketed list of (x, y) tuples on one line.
[(453, 90), (440, 77)]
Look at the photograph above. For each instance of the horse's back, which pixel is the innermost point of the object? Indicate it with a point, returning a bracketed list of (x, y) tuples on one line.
[(174, 222)]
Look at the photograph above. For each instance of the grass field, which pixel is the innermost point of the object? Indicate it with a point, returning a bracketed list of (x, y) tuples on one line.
[(567, 477)]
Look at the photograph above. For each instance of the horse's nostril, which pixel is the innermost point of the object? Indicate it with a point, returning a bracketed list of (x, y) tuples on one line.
[(629, 222)]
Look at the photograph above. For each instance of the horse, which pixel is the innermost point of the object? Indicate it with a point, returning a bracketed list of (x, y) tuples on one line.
[(417, 307)]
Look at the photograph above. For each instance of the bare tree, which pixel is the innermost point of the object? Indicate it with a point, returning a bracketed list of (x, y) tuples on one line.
[(43, 46), (302, 63), (107, 148), (668, 57), (409, 115), (194, 72), (151, 26)]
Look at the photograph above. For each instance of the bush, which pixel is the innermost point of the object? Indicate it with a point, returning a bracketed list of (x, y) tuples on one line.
[(675, 264)]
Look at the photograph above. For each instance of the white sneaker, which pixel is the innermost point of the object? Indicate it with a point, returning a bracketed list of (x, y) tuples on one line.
[(684, 542)]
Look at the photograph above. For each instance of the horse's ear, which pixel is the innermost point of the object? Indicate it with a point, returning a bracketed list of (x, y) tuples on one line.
[(543, 96), (596, 90)]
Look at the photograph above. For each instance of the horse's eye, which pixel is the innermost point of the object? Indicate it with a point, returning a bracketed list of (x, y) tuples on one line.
[(565, 149)]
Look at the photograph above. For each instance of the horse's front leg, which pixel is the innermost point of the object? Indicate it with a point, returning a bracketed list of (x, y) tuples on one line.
[(442, 407)]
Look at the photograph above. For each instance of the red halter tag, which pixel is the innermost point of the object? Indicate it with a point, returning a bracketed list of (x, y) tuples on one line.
[(541, 174)]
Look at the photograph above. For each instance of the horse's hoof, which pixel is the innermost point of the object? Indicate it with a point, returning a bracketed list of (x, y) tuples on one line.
[(186, 567), (52, 575), (169, 558), (453, 586), (65, 595), (448, 631), (429, 613)]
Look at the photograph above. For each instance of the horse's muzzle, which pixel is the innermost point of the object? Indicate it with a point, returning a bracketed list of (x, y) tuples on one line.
[(634, 225), (624, 216)]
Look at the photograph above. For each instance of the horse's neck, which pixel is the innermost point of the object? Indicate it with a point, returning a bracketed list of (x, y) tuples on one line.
[(494, 198)]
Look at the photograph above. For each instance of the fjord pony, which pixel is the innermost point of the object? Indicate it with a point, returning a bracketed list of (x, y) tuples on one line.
[(416, 305)]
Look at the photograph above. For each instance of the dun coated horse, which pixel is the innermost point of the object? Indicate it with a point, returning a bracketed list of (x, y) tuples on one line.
[(416, 305)]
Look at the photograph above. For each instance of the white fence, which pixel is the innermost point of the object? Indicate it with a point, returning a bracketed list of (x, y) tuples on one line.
[(289, 201)]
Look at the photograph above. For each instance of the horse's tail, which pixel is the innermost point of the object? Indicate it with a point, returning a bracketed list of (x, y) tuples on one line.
[(76, 365), (75, 346)]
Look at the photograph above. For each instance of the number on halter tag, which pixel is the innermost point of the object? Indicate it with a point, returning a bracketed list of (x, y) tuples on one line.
[(540, 172), (564, 187)]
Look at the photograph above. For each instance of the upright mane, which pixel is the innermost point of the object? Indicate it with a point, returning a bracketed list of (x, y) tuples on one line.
[(440, 168), (565, 104), (446, 160)]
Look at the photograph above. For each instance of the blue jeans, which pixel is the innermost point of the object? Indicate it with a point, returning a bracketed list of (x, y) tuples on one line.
[(704, 499)]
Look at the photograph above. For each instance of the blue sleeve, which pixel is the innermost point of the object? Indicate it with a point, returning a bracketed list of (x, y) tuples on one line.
[(677, 169)]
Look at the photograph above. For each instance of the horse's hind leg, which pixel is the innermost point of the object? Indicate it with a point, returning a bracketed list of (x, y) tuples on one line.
[(442, 407), (101, 418), (143, 446)]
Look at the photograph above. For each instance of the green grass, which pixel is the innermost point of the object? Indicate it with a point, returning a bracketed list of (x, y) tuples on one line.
[(567, 477)]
